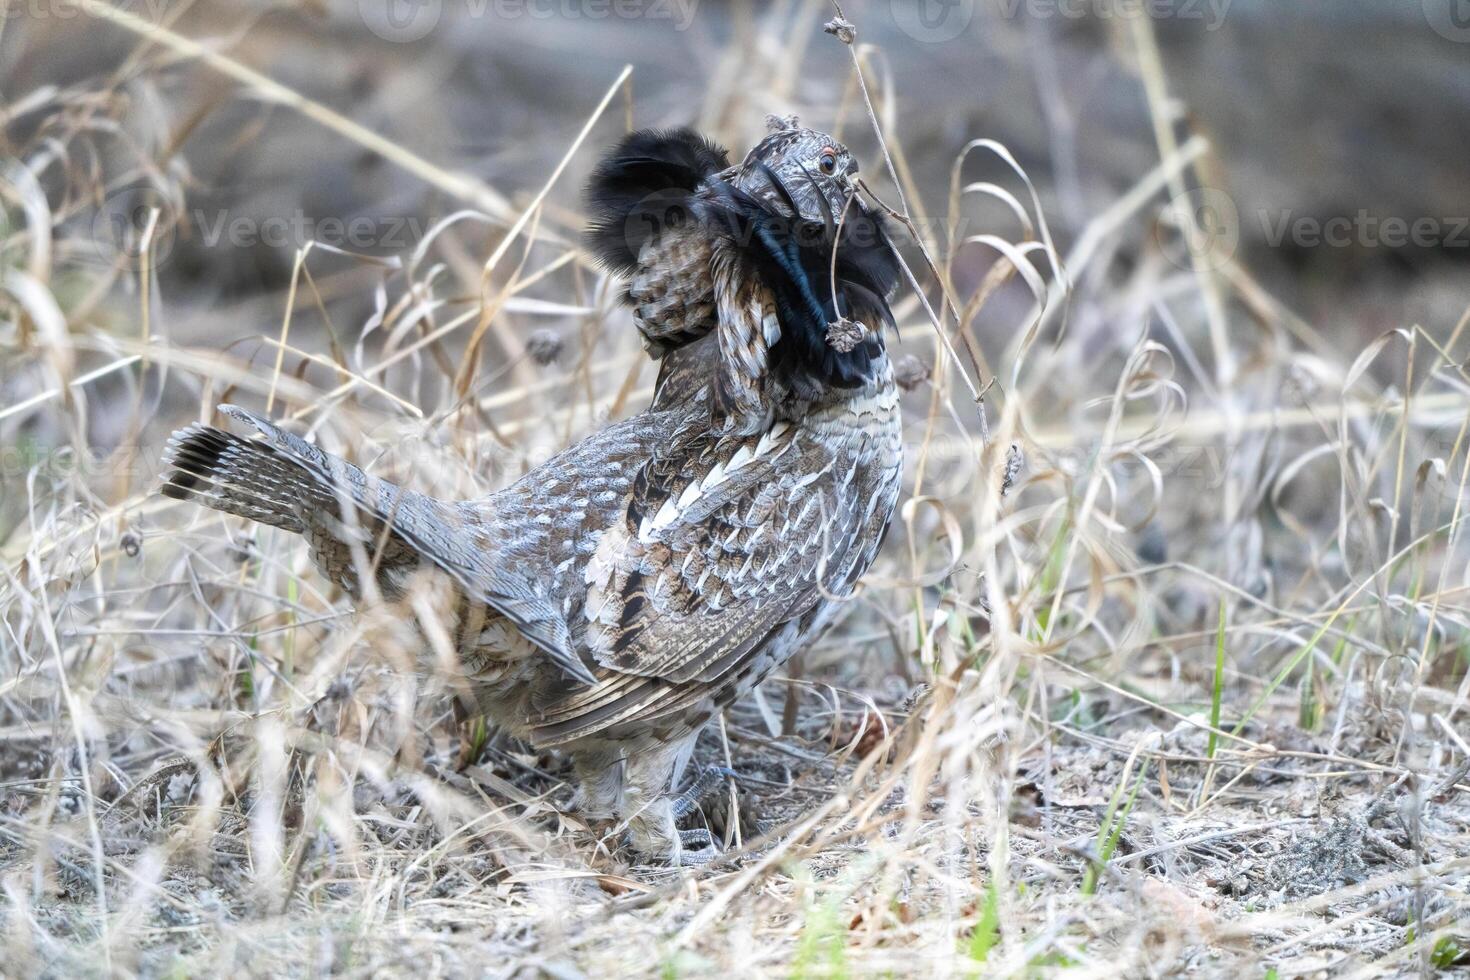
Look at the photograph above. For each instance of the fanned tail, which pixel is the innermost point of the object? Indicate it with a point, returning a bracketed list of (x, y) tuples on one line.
[(237, 476), (286, 482)]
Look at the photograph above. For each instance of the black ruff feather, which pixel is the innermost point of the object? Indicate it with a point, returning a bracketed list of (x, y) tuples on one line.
[(793, 258), (642, 187)]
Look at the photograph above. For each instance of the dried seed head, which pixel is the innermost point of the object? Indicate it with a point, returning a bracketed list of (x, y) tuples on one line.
[(844, 335), (544, 346), (912, 700), (1015, 459), (244, 548), (841, 29), (910, 372)]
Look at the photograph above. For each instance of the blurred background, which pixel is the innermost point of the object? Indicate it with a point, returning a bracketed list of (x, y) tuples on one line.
[(185, 153), (1334, 170), (1335, 128)]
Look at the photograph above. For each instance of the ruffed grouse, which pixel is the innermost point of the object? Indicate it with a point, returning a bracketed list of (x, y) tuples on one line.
[(612, 600)]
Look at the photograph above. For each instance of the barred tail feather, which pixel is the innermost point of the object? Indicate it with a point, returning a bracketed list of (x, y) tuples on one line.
[(284, 481), (236, 476)]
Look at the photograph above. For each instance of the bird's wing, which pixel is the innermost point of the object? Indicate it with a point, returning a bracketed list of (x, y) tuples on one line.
[(720, 545)]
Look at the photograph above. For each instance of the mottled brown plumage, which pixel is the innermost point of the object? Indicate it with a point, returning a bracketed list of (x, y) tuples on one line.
[(615, 598)]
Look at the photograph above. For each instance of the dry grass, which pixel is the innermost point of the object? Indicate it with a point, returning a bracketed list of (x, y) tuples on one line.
[(1190, 696)]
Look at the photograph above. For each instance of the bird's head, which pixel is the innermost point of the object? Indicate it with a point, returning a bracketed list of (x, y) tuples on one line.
[(799, 166)]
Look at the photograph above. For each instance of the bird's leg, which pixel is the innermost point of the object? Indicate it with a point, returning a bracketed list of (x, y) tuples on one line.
[(709, 780), (650, 810), (599, 774), (651, 829), (697, 846)]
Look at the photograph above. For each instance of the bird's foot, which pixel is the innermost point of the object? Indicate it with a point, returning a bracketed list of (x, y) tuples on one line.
[(697, 846), (711, 779), (583, 806)]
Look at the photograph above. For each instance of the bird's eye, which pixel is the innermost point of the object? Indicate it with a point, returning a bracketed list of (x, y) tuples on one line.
[(828, 162)]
